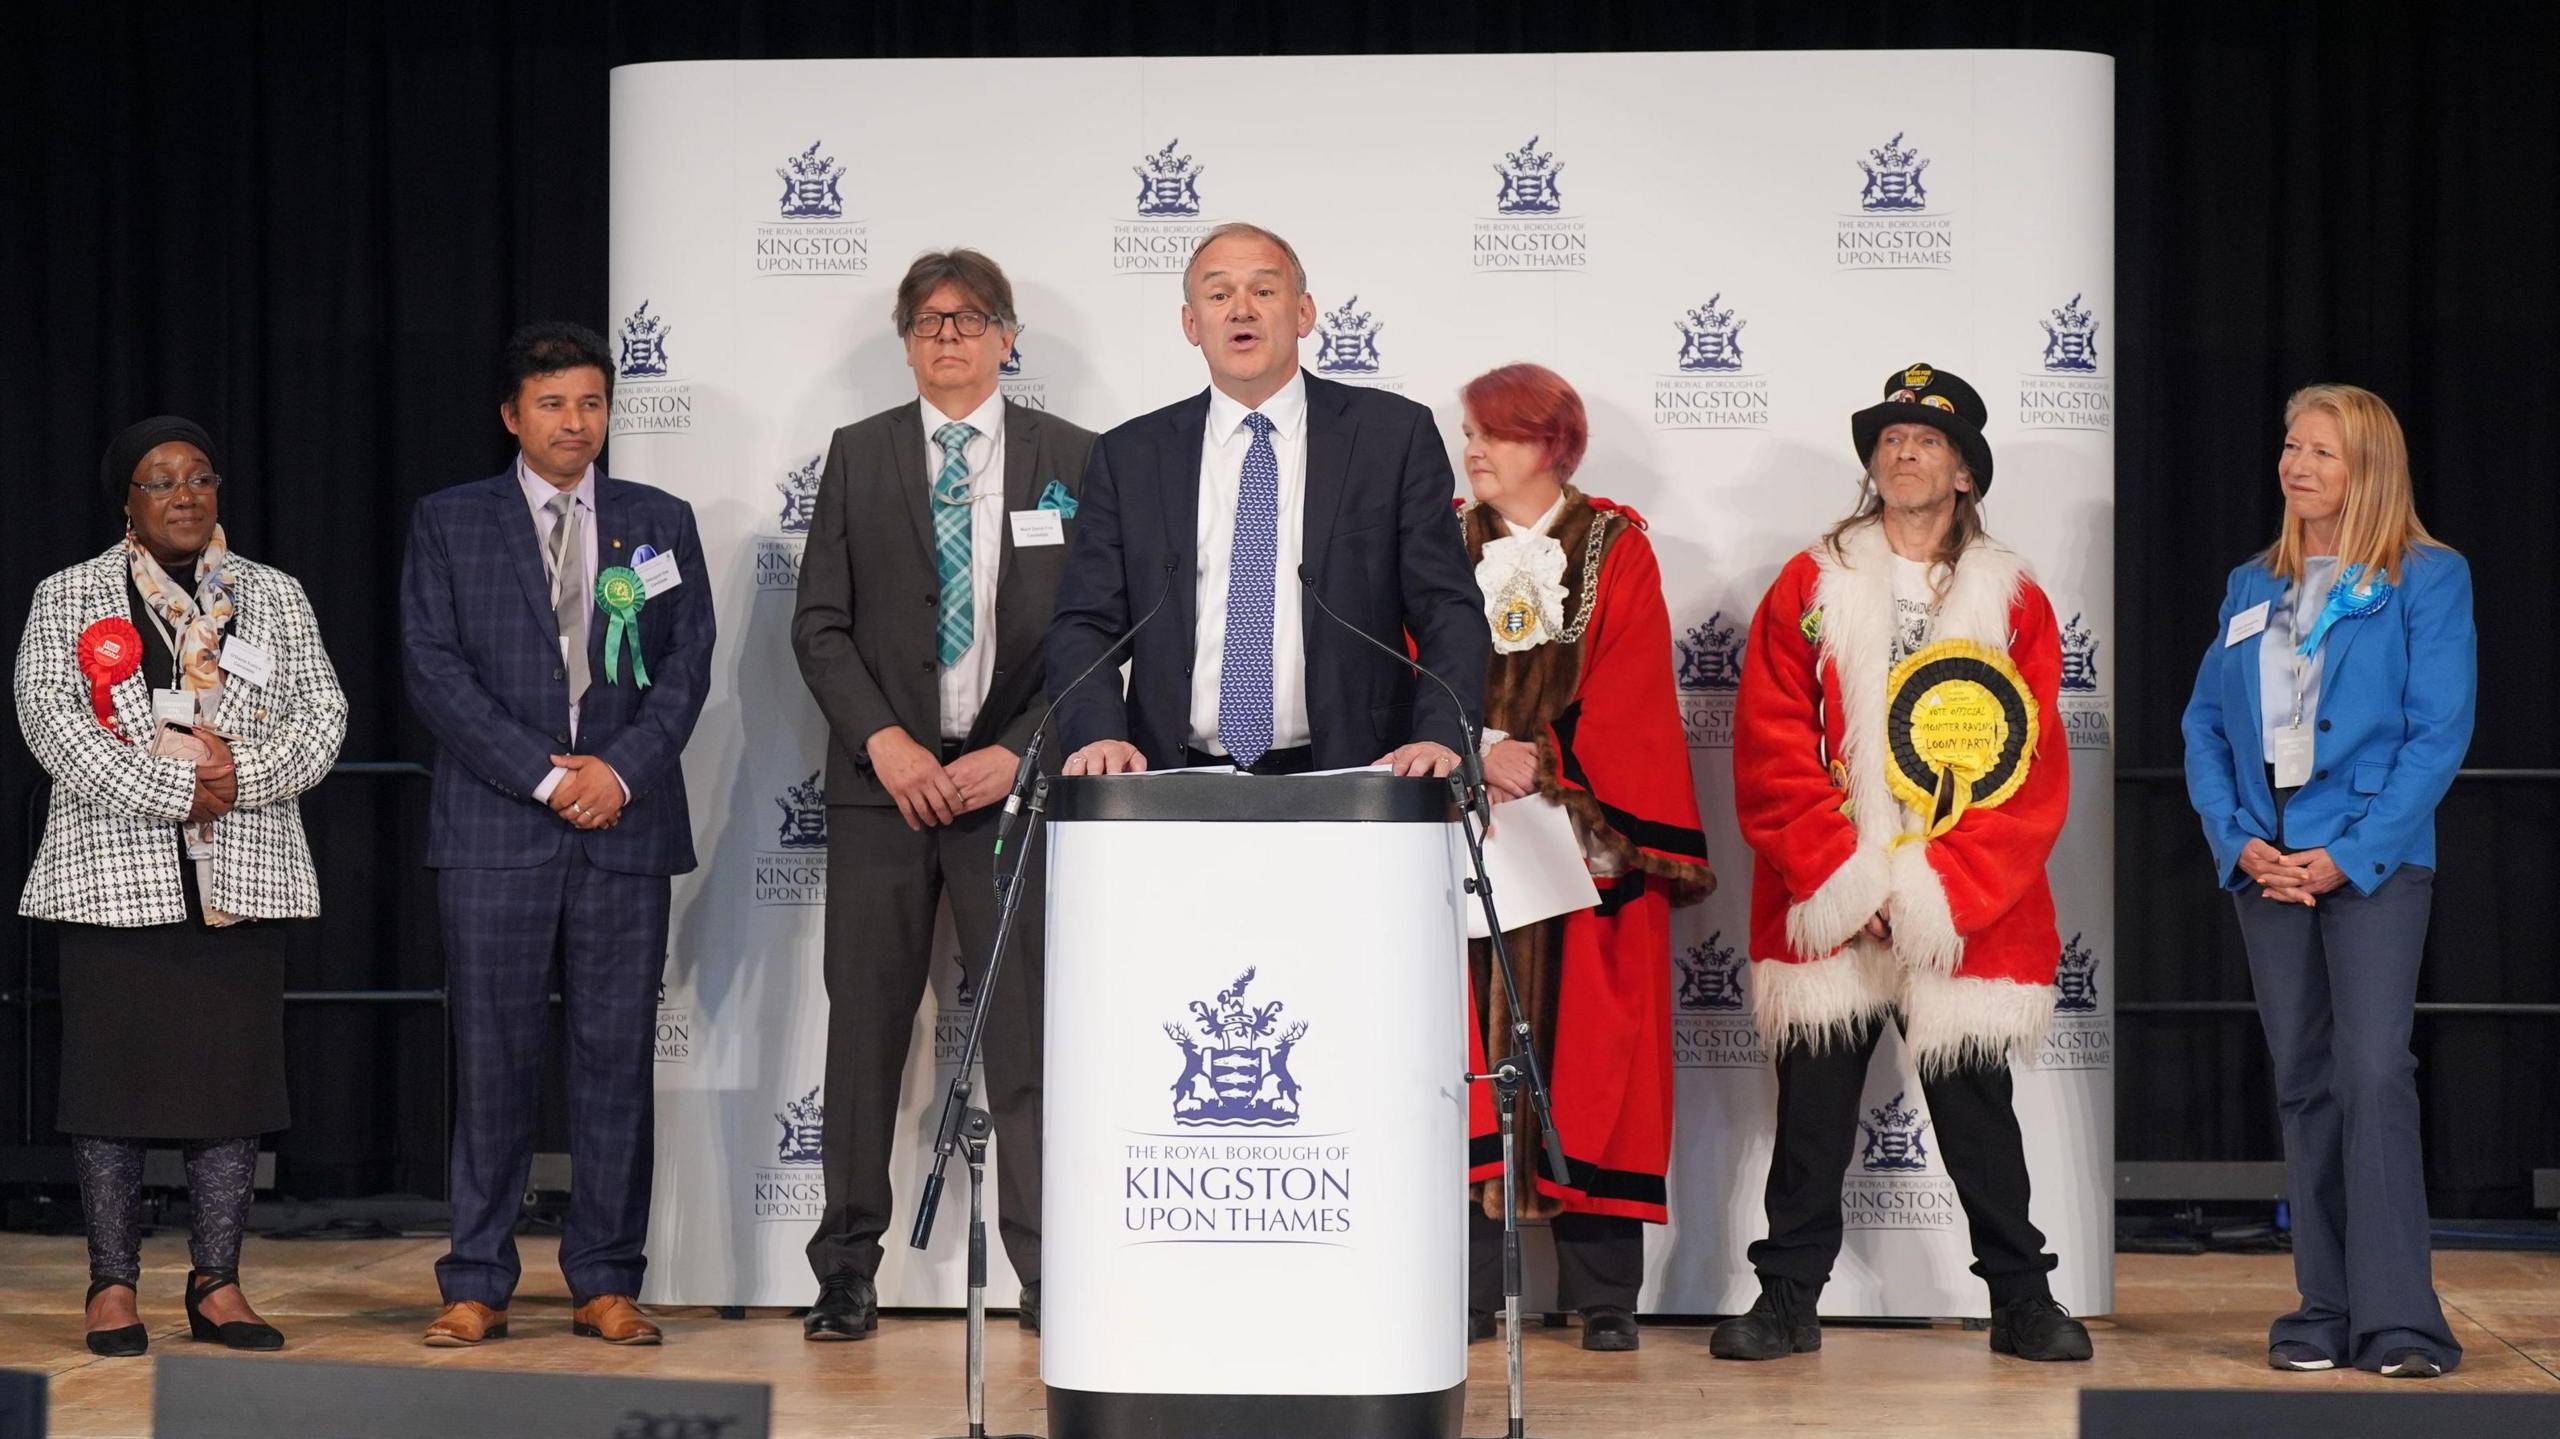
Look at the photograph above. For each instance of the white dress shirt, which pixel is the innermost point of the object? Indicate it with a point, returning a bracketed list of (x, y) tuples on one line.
[(963, 686), (537, 496), (1222, 451)]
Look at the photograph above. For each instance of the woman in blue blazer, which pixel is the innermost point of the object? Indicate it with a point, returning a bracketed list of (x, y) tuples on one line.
[(2329, 717)]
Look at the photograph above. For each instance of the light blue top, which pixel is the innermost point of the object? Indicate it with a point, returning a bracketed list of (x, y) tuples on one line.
[(2289, 684), (2397, 696)]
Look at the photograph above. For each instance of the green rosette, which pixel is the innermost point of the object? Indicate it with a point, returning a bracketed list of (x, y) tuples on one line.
[(621, 594)]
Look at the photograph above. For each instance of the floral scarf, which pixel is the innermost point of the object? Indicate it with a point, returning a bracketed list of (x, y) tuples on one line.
[(194, 627)]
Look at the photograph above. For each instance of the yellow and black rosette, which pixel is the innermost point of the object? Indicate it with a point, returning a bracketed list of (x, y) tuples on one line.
[(1960, 732), (620, 593)]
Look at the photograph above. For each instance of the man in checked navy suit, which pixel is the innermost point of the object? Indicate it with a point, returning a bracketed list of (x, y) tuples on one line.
[(1220, 504), (556, 636)]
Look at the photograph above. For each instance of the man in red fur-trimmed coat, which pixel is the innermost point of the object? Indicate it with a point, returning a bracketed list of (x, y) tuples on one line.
[(1901, 773)]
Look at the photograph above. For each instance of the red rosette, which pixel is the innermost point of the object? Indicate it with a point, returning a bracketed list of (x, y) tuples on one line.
[(110, 654)]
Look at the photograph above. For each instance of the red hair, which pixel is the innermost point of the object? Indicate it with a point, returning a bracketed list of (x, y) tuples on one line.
[(1533, 405)]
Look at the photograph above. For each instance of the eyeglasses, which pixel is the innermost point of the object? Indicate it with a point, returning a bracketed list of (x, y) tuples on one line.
[(159, 486), (969, 323)]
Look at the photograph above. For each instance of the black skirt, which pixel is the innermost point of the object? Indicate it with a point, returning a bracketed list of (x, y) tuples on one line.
[(173, 1031)]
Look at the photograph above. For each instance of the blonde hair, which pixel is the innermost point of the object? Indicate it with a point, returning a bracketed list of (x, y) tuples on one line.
[(2378, 523)]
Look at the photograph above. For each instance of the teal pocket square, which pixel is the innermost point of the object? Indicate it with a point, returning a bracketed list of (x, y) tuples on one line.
[(1056, 498)]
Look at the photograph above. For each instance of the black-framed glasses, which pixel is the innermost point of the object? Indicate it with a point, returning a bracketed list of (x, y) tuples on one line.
[(969, 323), (159, 486)]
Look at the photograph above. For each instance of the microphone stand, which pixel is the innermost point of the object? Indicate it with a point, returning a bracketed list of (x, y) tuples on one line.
[(1520, 1068), (1515, 1070), (974, 1130), (962, 1123)]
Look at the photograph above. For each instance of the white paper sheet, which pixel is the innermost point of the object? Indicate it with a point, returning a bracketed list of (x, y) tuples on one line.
[(1535, 863)]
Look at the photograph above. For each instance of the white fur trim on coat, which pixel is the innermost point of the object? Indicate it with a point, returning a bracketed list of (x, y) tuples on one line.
[(1832, 915), (1855, 592), (1924, 928), (1820, 1001), (1953, 1022)]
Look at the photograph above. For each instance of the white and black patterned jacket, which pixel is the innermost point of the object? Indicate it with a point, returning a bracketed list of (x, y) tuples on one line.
[(110, 854)]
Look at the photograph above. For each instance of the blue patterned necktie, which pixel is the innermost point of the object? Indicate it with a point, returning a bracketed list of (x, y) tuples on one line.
[(951, 541), (1244, 680)]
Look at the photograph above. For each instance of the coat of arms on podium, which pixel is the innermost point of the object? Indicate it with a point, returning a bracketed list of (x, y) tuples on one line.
[(1236, 1073)]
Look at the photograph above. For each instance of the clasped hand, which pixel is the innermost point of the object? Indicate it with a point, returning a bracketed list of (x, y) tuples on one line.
[(217, 780), (930, 793), (589, 796), (2297, 878)]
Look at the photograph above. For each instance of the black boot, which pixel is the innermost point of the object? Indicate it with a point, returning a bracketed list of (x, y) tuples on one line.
[(2039, 1329), (1781, 1322)]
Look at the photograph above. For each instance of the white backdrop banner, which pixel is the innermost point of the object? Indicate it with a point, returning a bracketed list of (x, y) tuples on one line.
[(1726, 253)]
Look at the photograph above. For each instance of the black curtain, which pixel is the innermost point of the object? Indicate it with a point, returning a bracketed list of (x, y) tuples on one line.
[(309, 227)]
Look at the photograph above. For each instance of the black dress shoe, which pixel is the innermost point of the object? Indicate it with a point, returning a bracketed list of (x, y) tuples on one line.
[(1608, 1329), (1482, 1324), (1779, 1323), (1028, 1313), (239, 1333), (848, 1307), (2038, 1329), (122, 1343)]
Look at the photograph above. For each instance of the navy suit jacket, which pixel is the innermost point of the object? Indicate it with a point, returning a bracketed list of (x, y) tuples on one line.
[(1380, 538), (481, 653), (2397, 689)]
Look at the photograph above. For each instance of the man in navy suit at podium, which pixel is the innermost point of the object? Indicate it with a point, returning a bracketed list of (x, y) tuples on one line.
[(1216, 506), (556, 634)]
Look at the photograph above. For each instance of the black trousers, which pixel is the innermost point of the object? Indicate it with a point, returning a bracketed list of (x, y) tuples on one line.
[(1976, 1129), (1599, 1260), (884, 881)]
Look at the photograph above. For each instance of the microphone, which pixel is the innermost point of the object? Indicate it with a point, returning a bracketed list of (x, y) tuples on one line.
[(1470, 763), (1040, 732)]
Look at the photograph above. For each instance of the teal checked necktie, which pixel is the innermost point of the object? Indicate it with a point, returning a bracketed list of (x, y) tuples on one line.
[(951, 540)]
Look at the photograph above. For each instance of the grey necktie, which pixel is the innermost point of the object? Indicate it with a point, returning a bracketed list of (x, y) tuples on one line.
[(569, 601)]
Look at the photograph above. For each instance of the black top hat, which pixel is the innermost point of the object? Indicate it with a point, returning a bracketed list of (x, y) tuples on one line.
[(1925, 395)]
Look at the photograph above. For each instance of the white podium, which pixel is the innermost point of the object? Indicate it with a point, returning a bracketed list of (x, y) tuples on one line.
[(1253, 1218)]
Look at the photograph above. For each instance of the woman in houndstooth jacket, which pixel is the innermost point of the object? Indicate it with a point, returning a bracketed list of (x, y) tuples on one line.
[(180, 699)]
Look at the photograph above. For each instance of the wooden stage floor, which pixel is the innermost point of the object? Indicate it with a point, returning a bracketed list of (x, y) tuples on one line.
[(2183, 1322)]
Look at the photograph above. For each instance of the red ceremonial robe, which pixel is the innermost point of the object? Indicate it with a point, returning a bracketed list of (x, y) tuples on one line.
[(1596, 984)]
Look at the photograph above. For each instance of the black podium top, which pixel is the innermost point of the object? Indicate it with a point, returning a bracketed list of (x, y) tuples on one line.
[(1364, 798)]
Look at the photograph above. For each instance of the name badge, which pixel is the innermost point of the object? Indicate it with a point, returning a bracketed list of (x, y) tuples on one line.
[(172, 707), (658, 575), (247, 659), (2246, 623), (2293, 757), (1038, 527)]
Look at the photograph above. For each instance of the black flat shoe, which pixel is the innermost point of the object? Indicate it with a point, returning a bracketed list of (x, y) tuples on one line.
[(122, 1343), (848, 1308), (2410, 1364), (1028, 1313), (237, 1334), (2038, 1329), (1608, 1329), (1482, 1324)]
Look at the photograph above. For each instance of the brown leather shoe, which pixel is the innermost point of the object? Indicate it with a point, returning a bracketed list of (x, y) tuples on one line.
[(465, 1323), (614, 1319)]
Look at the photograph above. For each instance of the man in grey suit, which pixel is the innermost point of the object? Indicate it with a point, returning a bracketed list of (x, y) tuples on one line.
[(939, 536)]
